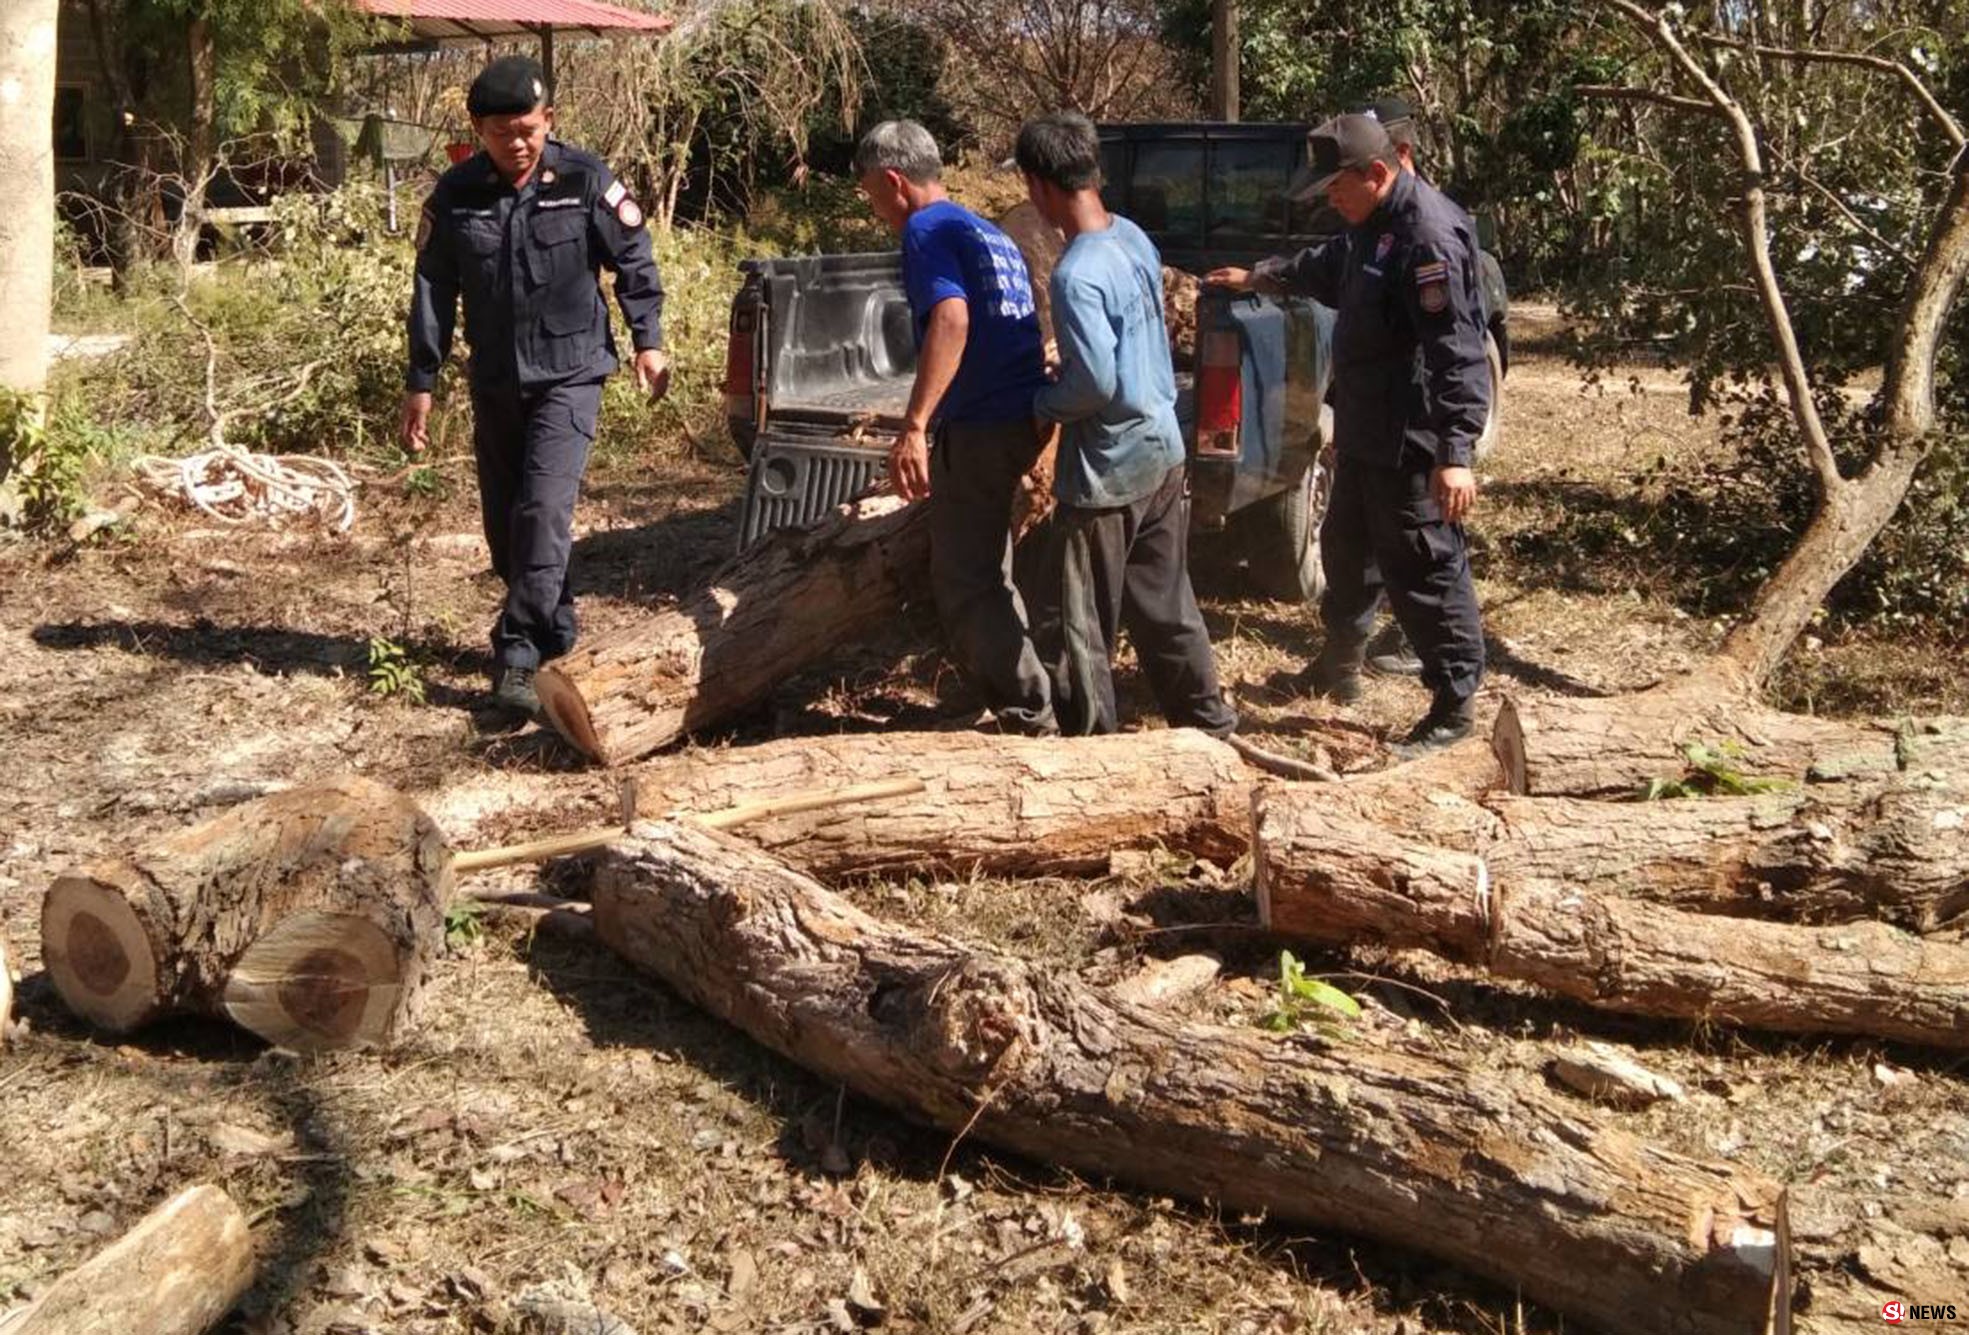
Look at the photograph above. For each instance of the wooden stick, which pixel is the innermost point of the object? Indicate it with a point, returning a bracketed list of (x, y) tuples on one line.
[(6, 985), (586, 841)]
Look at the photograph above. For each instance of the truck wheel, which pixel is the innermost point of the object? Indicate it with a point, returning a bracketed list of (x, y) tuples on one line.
[(1282, 538), (1494, 419)]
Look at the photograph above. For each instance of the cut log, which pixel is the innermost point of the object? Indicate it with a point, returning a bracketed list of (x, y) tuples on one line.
[(1004, 806), (1404, 1146), (781, 607), (1332, 878), (306, 917), (178, 1272), (1614, 746)]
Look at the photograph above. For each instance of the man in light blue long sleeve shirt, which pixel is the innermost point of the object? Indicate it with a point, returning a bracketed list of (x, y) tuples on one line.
[(1118, 551)]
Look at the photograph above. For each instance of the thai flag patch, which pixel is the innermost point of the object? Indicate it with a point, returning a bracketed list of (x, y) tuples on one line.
[(1432, 286)]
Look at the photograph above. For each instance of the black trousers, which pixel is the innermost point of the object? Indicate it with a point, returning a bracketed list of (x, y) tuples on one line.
[(974, 470), (1125, 567), (1383, 531), (531, 447)]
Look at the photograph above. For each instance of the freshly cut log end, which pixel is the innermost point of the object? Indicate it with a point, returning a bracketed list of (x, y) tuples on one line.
[(568, 714), (318, 981), (306, 916), (178, 1272), (7, 980), (1507, 742), (102, 959)]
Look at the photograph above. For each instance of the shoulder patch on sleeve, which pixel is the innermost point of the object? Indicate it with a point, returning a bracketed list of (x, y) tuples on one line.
[(615, 194), (1432, 286)]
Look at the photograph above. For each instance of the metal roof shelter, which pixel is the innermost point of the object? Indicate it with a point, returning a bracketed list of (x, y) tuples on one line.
[(434, 23)]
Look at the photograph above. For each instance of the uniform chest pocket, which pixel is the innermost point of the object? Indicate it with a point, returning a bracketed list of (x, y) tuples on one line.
[(555, 253), (479, 241)]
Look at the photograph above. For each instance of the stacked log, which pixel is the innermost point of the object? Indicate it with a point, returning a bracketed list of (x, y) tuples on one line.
[(306, 917)]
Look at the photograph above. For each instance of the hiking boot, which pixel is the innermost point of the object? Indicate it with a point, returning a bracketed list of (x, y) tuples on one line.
[(1390, 656), (1446, 723), (513, 693), (1338, 682)]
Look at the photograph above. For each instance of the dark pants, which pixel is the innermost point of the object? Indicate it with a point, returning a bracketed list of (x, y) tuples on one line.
[(1127, 566), (973, 471), (1384, 531), (531, 447)]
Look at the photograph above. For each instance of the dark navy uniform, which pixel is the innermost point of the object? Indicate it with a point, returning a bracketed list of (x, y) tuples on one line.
[(1411, 389), (525, 262)]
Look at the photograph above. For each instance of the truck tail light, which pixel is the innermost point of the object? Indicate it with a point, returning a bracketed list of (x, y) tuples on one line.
[(1219, 393), (741, 365)]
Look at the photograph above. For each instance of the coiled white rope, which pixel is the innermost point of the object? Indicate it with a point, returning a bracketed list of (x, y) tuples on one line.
[(235, 487)]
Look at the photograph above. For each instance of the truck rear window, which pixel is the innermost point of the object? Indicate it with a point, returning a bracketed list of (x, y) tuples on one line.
[(1166, 194), (1247, 187)]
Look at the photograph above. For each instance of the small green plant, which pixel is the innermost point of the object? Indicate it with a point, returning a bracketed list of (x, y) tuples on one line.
[(1712, 772), (391, 673), (464, 923), (424, 483), (42, 468), (1302, 999)]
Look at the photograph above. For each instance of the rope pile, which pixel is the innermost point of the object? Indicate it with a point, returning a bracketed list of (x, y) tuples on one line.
[(235, 487)]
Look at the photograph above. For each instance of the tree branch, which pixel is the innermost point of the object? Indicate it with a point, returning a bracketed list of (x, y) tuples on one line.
[(1620, 93), (1791, 362), (1880, 64)]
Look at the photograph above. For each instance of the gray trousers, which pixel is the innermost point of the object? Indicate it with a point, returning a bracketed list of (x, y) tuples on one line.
[(1125, 566), (531, 447), (974, 469)]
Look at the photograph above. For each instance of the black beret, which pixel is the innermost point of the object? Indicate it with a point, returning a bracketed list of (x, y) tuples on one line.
[(509, 86)]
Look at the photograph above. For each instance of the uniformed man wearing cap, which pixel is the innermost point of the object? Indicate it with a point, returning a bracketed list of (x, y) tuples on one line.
[(1411, 388), (520, 230)]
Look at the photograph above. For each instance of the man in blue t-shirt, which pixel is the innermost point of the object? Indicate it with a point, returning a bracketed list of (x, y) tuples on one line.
[(978, 364), (1119, 545)]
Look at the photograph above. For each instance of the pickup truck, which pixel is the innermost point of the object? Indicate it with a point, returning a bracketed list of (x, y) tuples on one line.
[(821, 354)]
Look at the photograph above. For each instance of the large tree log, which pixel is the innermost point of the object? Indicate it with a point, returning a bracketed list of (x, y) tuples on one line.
[(781, 607), (1504, 1180), (1006, 806), (306, 917), (1332, 878), (182, 1268), (1613, 747)]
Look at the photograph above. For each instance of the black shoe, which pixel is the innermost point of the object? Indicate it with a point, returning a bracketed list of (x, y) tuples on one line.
[(513, 693), (1446, 723), (1390, 655), (1338, 682)]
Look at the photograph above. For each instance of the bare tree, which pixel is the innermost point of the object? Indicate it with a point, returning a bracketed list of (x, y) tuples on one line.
[(1851, 510)]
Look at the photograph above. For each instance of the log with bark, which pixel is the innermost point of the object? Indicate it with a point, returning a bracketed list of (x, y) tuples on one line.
[(1501, 1178), (779, 608), (178, 1272), (306, 917), (1333, 878), (1004, 806)]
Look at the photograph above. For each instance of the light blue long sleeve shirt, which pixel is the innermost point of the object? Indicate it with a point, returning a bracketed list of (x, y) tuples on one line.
[(1116, 394)]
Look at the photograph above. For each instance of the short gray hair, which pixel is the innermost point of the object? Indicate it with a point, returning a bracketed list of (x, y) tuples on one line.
[(899, 146)]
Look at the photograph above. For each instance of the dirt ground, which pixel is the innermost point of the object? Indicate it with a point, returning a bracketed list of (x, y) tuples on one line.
[(560, 1124)]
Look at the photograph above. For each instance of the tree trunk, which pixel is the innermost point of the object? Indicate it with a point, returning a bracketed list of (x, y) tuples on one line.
[(178, 1272), (1405, 1147), (781, 607), (27, 209), (201, 148), (1332, 878), (305, 917), (1613, 747), (1004, 806)]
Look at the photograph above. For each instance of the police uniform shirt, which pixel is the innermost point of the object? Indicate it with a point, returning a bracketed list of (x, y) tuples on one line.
[(525, 261), (1410, 378)]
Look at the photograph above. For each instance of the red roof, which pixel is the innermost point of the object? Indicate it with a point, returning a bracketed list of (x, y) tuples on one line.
[(476, 20)]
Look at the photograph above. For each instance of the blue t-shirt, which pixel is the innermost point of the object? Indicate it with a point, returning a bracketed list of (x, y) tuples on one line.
[(1116, 395), (948, 251)]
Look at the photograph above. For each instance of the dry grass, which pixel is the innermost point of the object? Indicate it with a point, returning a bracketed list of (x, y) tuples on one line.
[(558, 1120)]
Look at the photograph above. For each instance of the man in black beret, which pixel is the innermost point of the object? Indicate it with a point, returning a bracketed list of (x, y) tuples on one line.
[(520, 230), (1411, 390)]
